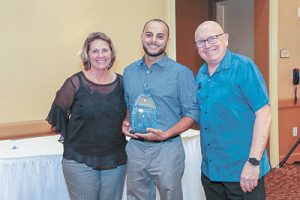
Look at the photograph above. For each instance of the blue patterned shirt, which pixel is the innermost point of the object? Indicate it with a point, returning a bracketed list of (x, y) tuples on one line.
[(172, 86), (228, 101)]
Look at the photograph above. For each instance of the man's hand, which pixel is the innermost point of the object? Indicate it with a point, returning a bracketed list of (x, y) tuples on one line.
[(126, 129), (153, 135), (249, 177)]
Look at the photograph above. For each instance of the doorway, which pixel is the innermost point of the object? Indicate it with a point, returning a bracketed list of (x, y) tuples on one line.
[(237, 18)]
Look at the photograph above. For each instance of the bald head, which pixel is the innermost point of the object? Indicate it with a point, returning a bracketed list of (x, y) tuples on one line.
[(211, 42), (207, 27)]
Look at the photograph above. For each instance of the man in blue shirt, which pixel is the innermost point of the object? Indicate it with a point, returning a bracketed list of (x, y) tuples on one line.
[(156, 158), (235, 119)]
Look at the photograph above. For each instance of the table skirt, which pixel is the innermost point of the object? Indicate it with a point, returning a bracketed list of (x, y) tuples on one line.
[(30, 169)]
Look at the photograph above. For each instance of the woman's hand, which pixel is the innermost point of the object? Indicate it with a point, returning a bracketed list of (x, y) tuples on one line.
[(126, 130)]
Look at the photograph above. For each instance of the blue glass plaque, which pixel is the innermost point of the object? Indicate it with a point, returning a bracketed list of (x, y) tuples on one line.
[(144, 114)]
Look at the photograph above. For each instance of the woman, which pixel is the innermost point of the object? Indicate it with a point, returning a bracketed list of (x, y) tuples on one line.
[(88, 111)]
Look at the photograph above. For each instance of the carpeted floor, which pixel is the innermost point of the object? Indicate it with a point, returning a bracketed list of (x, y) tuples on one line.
[(283, 183)]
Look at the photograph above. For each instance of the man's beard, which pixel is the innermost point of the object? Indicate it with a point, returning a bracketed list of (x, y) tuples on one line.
[(154, 54)]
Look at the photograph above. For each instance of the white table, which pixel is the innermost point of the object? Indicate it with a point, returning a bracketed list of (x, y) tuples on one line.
[(30, 169)]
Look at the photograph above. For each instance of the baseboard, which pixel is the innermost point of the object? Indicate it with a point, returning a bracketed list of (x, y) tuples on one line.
[(294, 157)]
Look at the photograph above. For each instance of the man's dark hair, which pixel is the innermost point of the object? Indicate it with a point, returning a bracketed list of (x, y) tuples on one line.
[(158, 20)]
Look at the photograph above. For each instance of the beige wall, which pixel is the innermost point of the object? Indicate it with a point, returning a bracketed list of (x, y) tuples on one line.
[(40, 40), (288, 38), (288, 113)]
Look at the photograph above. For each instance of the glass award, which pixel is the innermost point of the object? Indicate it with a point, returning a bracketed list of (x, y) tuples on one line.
[(144, 114)]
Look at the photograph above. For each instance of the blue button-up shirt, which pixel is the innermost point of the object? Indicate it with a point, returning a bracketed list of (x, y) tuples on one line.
[(228, 101), (172, 86)]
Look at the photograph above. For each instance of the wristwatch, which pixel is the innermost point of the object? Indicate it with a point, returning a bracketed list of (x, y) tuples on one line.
[(253, 161)]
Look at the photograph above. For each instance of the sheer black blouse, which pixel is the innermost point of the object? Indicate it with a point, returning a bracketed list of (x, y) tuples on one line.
[(89, 117)]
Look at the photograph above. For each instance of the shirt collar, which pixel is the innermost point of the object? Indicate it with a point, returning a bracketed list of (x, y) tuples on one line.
[(162, 62)]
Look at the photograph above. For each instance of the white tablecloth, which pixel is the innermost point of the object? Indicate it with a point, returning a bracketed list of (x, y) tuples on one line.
[(30, 169)]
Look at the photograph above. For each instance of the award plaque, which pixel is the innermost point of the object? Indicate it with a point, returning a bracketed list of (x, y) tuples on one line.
[(144, 114)]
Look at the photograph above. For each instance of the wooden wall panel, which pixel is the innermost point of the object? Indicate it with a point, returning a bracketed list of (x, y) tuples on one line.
[(261, 37), (261, 41), (25, 129), (289, 117), (189, 14)]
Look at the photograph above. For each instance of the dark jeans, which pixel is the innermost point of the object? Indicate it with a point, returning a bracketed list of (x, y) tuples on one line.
[(231, 190)]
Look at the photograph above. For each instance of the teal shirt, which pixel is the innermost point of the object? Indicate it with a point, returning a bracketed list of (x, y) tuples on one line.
[(228, 101)]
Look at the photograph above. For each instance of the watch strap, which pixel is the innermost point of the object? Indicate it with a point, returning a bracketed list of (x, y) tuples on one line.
[(254, 161)]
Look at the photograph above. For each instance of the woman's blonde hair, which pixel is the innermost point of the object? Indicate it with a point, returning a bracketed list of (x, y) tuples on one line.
[(86, 47)]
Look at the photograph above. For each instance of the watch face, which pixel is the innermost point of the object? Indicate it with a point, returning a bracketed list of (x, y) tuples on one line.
[(253, 161)]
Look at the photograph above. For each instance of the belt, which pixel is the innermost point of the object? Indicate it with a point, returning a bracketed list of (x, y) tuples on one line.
[(152, 141)]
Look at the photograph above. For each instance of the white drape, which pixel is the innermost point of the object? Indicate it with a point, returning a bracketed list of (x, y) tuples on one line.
[(32, 178), (191, 180), (30, 169)]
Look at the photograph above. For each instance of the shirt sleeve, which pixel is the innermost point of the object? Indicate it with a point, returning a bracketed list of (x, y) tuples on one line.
[(59, 113), (187, 89), (253, 87)]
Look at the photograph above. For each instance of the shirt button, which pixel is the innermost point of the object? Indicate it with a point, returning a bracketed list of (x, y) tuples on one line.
[(210, 160), (206, 128), (208, 80), (207, 96), (208, 144), (205, 112), (148, 72)]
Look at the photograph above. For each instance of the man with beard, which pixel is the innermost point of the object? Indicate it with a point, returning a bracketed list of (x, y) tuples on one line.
[(156, 158)]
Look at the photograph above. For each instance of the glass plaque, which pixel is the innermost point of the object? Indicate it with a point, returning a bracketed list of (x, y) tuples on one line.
[(144, 114)]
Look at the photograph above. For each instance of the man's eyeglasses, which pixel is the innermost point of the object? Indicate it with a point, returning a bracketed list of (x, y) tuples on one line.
[(211, 40)]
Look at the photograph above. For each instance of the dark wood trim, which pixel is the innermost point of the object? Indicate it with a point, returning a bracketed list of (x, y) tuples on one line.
[(287, 104)]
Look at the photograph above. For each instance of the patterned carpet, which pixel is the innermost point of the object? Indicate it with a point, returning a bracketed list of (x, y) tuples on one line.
[(283, 183)]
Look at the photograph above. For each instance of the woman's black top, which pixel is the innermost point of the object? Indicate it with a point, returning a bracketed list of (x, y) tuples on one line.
[(89, 118)]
